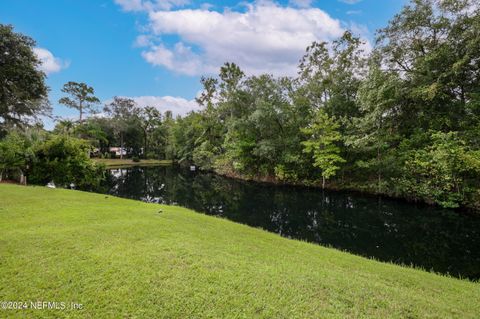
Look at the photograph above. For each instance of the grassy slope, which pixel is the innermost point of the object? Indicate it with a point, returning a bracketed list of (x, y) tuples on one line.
[(119, 163), (121, 258)]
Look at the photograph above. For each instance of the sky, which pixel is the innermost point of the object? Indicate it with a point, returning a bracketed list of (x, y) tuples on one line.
[(155, 51)]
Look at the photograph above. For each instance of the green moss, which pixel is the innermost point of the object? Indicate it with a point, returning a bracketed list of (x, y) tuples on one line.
[(122, 259)]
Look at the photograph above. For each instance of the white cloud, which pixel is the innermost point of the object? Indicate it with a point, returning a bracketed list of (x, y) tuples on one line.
[(143, 40), (181, 59), (143, 5), (178, 105), (264, 38), (49, 63)]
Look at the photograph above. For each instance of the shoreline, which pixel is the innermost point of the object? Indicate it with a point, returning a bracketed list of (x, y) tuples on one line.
[(337, 188), (126, 163), (112, 163)]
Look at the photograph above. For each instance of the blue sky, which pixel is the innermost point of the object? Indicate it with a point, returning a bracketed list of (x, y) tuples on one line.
[(156, 50)]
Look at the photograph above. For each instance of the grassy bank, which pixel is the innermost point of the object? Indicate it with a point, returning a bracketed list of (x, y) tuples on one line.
[(119, 163), (121, 258)]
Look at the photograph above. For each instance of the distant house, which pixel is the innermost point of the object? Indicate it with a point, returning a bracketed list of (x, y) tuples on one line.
[(118, 151)]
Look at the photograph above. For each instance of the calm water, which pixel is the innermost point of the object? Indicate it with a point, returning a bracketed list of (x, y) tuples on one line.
[(436, 239)]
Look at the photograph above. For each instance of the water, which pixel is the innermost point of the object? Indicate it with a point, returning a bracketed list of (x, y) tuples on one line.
[(435, 239)]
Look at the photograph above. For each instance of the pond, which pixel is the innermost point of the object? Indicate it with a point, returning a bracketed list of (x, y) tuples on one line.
[(432, 238)]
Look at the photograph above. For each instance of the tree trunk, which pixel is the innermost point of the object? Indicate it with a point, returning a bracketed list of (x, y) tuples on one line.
[(323, 182), (145, 144), (379, 169), (121, 145), (80, 107)]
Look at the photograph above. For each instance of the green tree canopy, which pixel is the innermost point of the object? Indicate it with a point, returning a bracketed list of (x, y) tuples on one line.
[(23, 93), (81, 97), (322, 136)]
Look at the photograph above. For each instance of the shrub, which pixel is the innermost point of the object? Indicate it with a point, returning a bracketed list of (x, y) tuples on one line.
[(65, 160)]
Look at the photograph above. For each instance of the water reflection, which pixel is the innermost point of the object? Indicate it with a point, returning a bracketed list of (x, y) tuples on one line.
[(435, 239)]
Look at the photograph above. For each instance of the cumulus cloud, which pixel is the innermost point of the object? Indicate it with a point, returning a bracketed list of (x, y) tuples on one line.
[(49, 63), (261, 36), (180, 59), (264, 38)]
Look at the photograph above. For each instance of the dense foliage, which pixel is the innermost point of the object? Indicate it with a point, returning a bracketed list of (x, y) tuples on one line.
[(65, 161), (15, 152), (23, 93), (402, 119), (40, 158)]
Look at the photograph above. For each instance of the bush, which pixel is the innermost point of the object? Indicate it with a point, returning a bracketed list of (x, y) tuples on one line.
[(136, 159), (65, 160)]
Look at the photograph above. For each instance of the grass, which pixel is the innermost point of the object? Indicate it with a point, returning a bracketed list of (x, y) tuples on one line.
[(121, 258), (120, 163)]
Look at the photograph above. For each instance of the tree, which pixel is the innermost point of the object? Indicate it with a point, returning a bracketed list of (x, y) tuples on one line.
[(98, 130), (167, 134), (444, 172), (347, 73), (23, 93), (149, 119), (376, 130), (433, 45), (264, 137), (322, 138), (64, 127), (92, 131), (229, 90), (187, 133), (208, 94), (82, 97), (122, 110), (314, 73), (15, 152), (330, 78)]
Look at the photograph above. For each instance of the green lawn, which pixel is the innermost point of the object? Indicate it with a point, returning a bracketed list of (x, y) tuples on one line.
[(123, 259), (119, 163)]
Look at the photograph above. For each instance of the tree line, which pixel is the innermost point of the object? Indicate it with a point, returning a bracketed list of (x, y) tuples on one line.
[(401, 119)]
